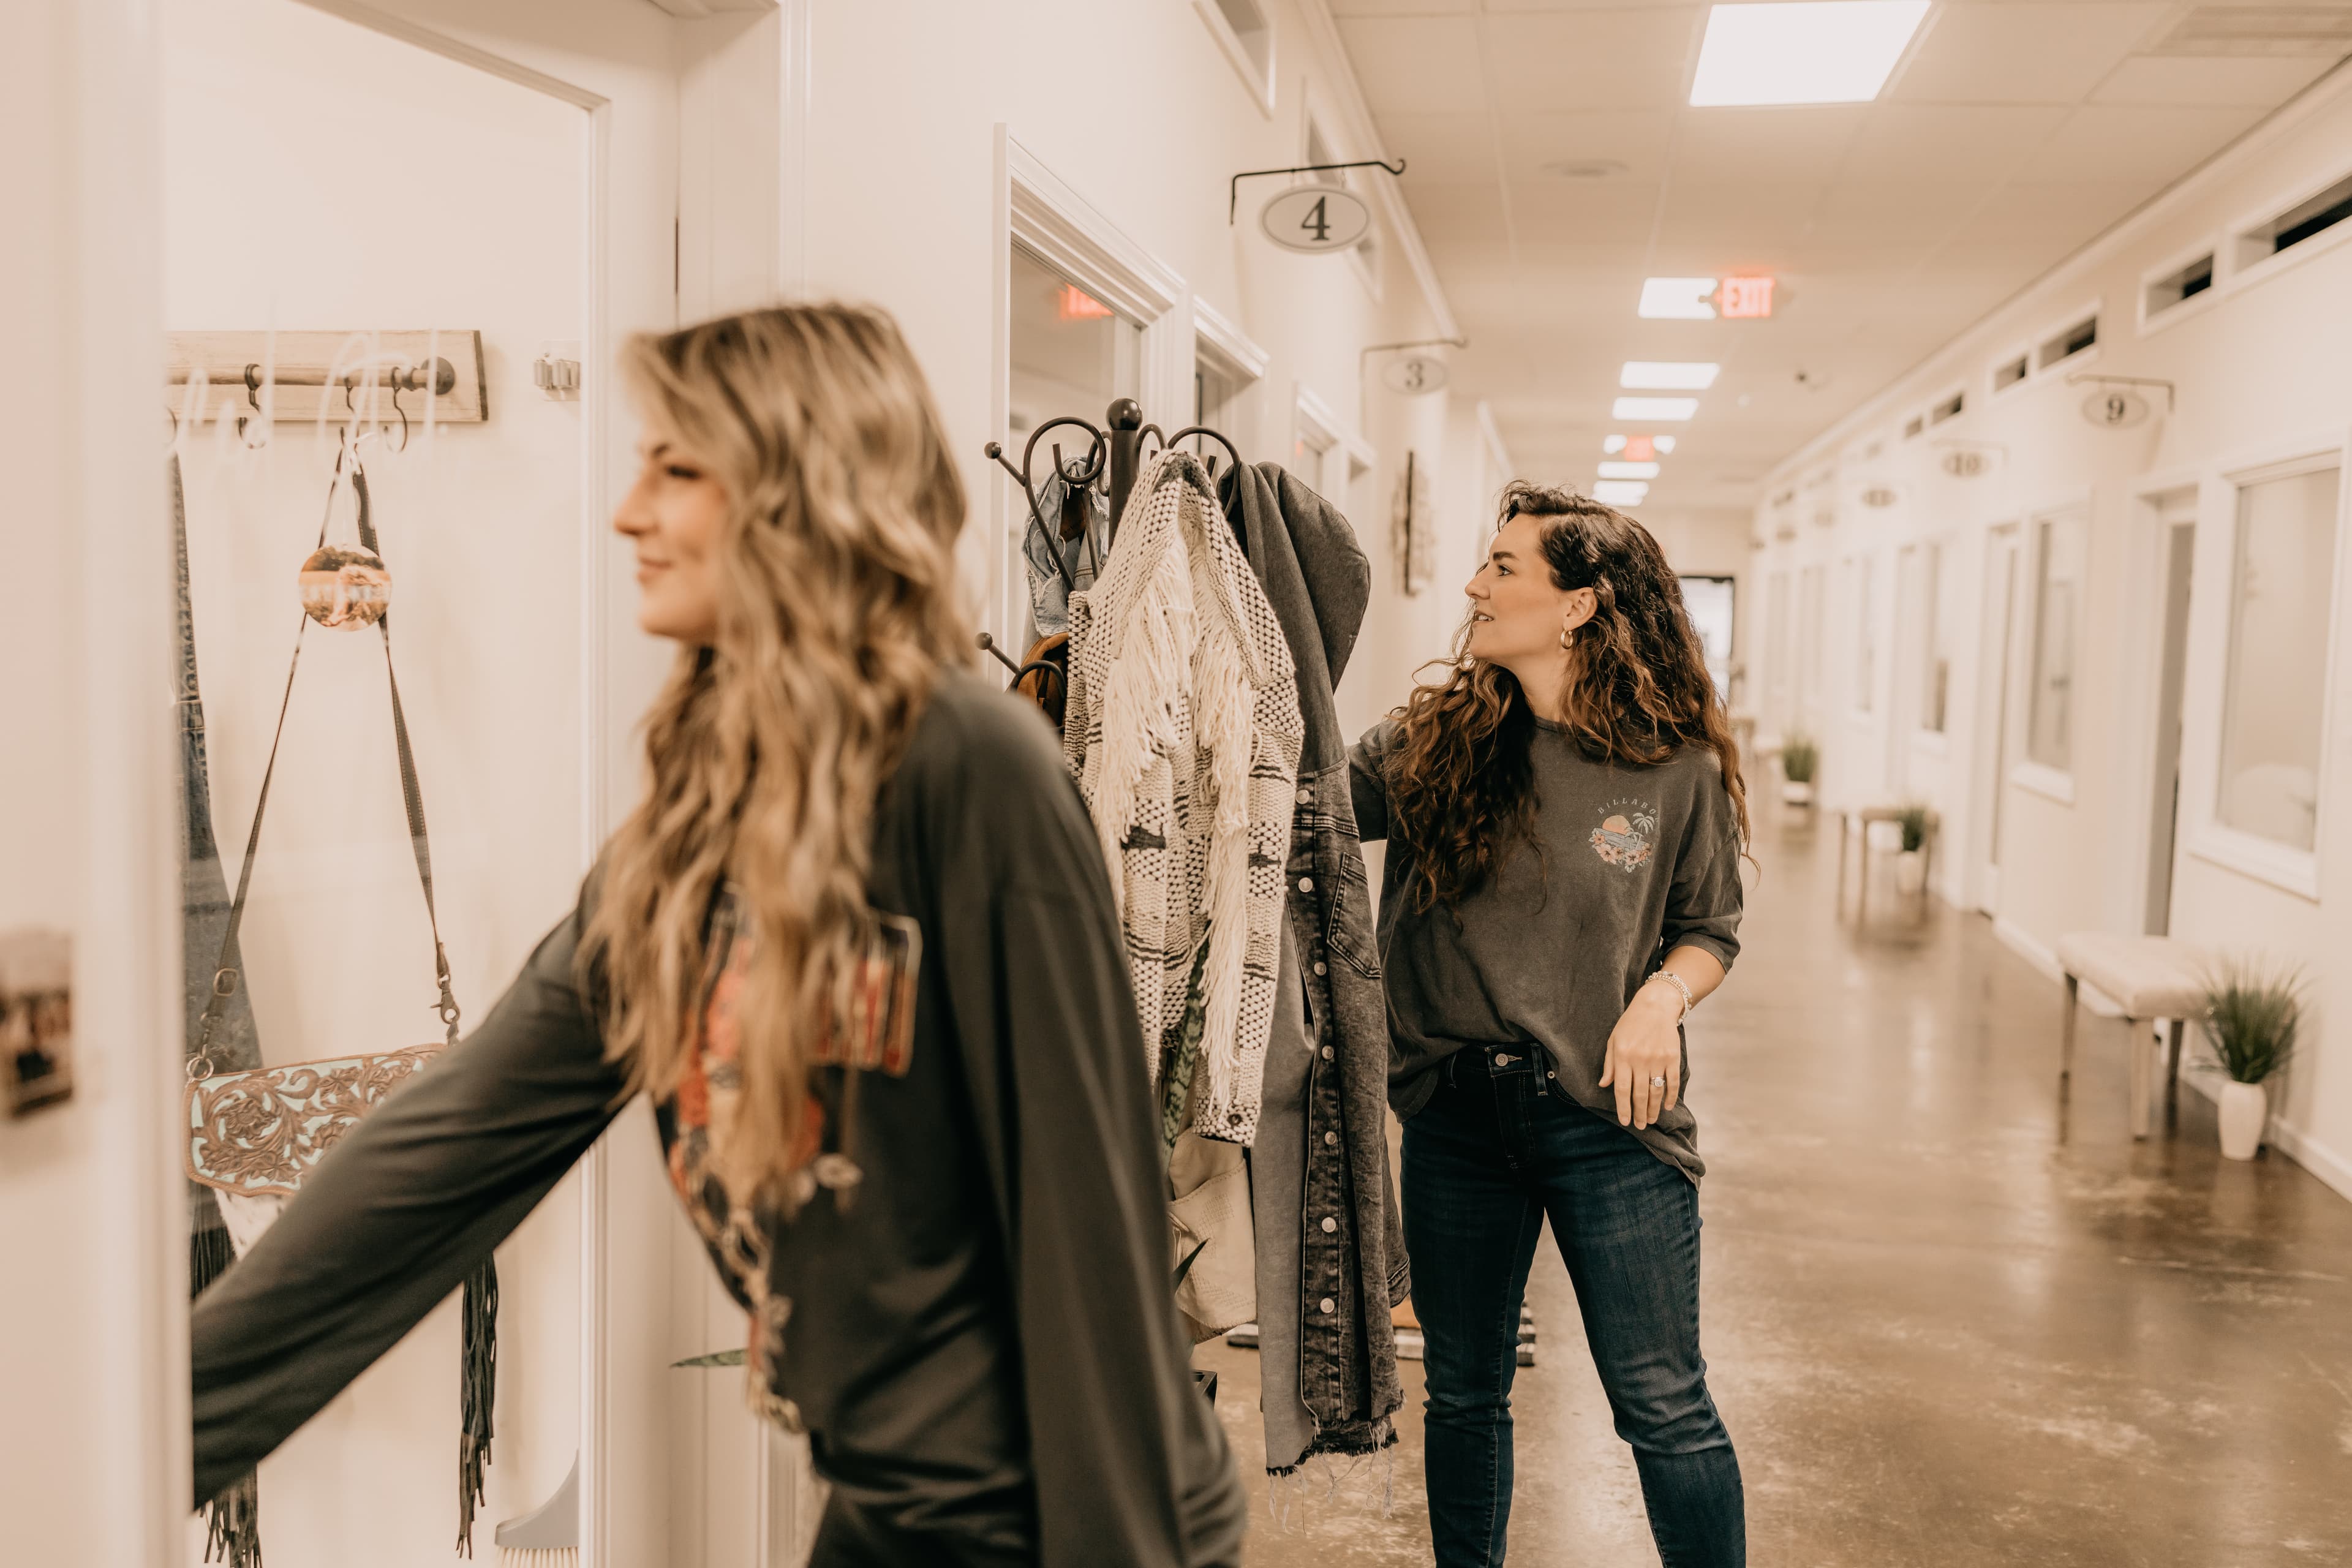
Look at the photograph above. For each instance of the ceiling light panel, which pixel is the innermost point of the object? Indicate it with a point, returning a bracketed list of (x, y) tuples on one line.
[(1620, 493), (1613, 445), (1808, 51), (1666, 410), (1679, 299), (1663, 444), (1629, 470), (1668, 375)]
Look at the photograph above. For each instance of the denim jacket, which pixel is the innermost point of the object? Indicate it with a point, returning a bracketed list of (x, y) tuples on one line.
[(1352, 1273)]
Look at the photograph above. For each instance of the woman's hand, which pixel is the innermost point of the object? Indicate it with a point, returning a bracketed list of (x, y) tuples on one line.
[(1647, 1042), (1645, 1047)]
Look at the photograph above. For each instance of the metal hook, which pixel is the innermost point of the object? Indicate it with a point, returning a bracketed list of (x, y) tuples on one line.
[(397, 408)]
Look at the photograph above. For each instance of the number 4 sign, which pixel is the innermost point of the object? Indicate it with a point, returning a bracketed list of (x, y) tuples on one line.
[(1316, 220)]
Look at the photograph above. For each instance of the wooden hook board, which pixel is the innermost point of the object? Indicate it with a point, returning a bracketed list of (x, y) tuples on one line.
[(298, 363)]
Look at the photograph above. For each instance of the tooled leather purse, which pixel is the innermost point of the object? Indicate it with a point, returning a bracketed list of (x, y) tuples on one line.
[(254, 1135)]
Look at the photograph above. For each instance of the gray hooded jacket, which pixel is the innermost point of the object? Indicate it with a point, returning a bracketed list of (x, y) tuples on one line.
[(1341, 1199)]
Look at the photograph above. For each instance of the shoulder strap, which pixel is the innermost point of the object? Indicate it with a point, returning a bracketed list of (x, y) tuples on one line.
[(226, 978)]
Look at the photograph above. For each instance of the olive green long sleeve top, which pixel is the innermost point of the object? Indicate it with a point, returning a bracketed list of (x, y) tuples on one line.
[(982, 1346)]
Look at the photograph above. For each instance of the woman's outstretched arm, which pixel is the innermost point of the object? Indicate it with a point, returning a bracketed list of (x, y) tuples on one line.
[(394, 1219)]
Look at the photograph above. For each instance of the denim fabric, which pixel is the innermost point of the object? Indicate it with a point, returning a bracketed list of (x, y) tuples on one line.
[(1277, 1201), (1049, 593), (1319, 583), (1489, 1158)]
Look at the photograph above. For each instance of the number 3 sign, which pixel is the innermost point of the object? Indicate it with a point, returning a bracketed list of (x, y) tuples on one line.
[(1316, 220)]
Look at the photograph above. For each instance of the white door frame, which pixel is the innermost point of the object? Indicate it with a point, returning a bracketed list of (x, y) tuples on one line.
[(1045, 215), (1997, 635)]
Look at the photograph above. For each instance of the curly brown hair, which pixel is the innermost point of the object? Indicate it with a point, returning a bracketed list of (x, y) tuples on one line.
[(1460, 783)]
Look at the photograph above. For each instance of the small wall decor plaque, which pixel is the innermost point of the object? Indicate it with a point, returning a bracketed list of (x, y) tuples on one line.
[(35, 1019)]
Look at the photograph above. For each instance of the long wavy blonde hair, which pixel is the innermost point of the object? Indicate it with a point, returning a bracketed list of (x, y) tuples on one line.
[(767, 750)]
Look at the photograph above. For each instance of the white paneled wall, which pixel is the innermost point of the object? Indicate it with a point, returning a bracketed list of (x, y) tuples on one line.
[(2261, 373)]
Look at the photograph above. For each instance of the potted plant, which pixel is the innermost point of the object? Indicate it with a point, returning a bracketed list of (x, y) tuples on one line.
[(1798, 759), (1911, 865), (2252, 1015)]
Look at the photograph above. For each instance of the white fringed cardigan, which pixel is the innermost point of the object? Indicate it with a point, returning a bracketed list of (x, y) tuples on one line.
[(1183, 729)]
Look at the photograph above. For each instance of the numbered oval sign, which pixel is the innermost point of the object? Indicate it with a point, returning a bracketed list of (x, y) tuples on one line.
[(1413, 374), (2115, 410), (1316, 220)]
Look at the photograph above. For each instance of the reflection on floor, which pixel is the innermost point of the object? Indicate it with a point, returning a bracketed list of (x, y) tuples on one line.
[(1947, 1324)]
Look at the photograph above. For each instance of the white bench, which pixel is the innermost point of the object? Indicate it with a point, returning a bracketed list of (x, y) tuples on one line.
[(2152, 979)]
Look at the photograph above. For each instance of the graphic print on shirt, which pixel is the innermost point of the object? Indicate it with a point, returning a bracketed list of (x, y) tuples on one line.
[(874, 1031), (1628, 831)]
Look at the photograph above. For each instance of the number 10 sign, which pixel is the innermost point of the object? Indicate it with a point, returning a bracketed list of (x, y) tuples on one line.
[(1316, 220)]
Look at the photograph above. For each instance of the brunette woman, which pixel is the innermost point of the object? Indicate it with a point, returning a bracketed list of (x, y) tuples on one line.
[(857, 946), (1566, 819)]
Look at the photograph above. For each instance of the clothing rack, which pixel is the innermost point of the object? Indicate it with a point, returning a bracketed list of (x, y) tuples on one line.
[(1115, 453)]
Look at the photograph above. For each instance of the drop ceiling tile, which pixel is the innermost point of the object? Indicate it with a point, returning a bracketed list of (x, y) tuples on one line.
[(1720, 146), (1567, 210), (1452, 216), (1416, 65), (1401, 7), (1750, 214), (1501, 8), (2184, 83), (1531, 140), (1593, 59), (1442, 149), (2026, 211), (1940, 141), (2045, 52), (1899, 213), (2134, 144)]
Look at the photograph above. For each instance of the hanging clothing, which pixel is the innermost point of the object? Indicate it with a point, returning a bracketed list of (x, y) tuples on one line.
[(1339, 1199), (1081, 552), (1183, 729), (233, 1519), (977, 1332)]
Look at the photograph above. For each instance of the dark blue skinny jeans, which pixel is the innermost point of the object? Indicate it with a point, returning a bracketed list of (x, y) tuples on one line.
[(1492, 1155)]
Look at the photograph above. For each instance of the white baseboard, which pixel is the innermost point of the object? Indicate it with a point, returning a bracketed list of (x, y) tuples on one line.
[(2305, 1150), (2027, 946)]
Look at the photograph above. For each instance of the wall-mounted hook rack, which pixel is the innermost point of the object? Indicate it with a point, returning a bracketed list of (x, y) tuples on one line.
[(294, 370)]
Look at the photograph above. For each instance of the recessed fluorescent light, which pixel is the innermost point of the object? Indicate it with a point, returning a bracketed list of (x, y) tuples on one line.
[(1665, 444), (1620, 493), (1670, 410), (1629, 470), (1810, 51), (1668, 375), (1679, 299), (1613, 445)]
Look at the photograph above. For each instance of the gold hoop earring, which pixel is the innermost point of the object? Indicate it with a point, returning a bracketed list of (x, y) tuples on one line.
[(1564, 635)]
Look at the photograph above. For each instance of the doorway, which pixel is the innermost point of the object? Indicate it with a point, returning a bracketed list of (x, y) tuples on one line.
[(1998, 641), (2175, 514)]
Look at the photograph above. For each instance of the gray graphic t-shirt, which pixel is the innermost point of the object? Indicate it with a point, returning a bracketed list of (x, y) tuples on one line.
[(1635, 862)]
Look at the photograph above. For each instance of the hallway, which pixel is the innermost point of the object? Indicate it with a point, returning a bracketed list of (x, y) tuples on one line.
[(1948, 1322)]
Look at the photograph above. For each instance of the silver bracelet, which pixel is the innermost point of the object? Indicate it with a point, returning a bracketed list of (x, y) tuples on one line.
[(1668, 975)]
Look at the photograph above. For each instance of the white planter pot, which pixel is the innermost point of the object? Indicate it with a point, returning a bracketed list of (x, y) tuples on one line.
[(1910, 873), (2245, 1107), (1796, 794)]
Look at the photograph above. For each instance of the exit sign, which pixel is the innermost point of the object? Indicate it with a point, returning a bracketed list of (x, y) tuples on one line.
[(1744, 298)]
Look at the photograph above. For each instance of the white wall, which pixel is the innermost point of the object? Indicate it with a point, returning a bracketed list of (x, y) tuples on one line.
[(93, 1448), (428, 195), (2263, 370), (1137, 110)]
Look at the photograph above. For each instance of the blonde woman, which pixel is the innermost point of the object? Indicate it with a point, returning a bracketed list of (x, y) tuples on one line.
[(857, 947)]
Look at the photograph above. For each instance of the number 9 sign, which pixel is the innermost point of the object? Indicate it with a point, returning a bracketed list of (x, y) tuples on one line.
[(1316, 220), (2113, 410)]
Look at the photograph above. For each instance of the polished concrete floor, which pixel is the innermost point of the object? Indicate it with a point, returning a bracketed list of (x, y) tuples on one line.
[(1948, 1321)]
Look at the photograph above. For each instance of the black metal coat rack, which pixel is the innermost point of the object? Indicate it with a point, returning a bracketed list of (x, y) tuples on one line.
[(1117, 445)]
